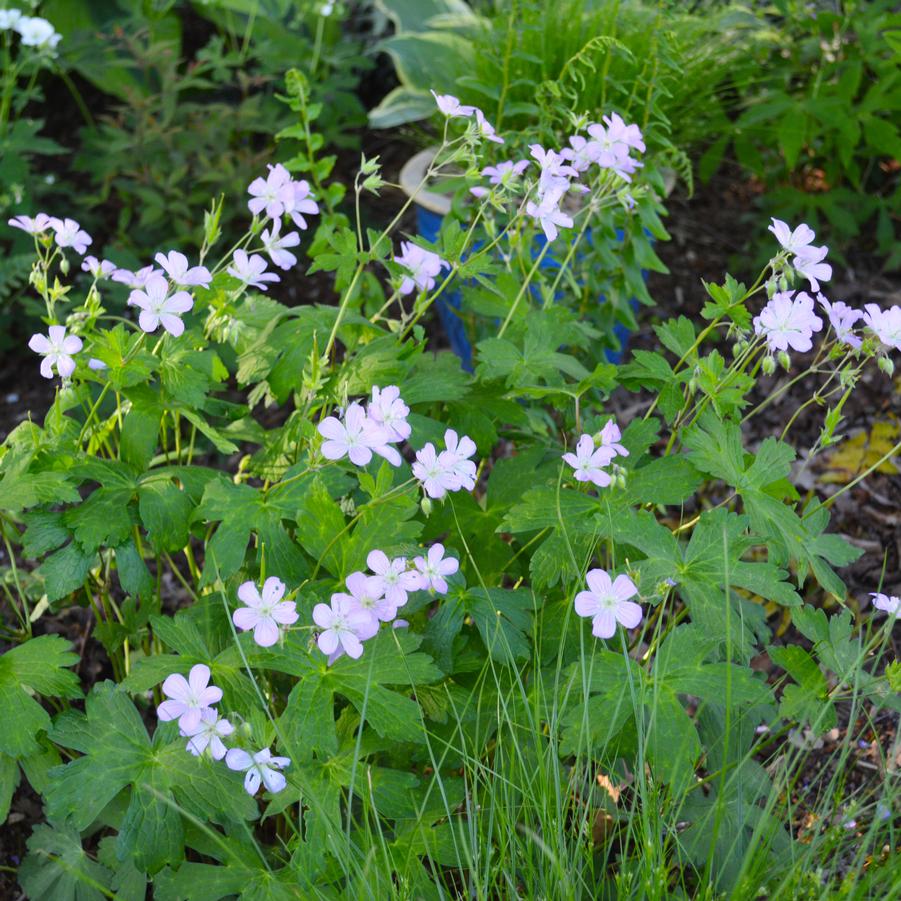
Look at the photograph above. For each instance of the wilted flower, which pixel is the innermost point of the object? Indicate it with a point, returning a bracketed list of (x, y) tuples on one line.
[(392, 578), (434, 568), (37, 32), (589, 462), (889, 603), (340, 624), (176, 266), (68, 233), (251, 270), (810, 264), (276, 245), (885, 324), (842, 319), (98, 268), (451, 106), (795, 242), (157, 308), (188, 697), (272, 194), (422, 264), (788, 322), (57, 348), (265, 611), (208, 733), (41, 221), (607, 603), (261, 767), (356, 437), (388, 410)]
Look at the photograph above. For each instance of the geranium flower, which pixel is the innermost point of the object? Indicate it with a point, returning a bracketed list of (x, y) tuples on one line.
[(435, 472), (157, 308), (37, 32), (581, 152), (451, 106), (9, 17), (341, 624), (176, 266), (589, 462), (610, 438), (276, 245), (619, 133), (810, 265), (392, 578), (456, 459), (422, 264), (302, 201), (188, 698), (137, 279), (41, 221), (99, 269), (503, 173), (265, 611), (366, 594), (485, 129), (842, 319), (889, 603), (57, 348), (208, 733), (272, 194), (434, 568), (549, 215), (68, 233), (885, 324), (555, 173), (251, 270), (261, 767), (614, 139), (795, 242), (356, 437), (388, 410), (788, 322), (607, 603)]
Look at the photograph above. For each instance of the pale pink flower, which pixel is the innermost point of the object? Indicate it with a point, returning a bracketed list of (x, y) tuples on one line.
[(607, 603), (842, 319), (450, 106), (261, 767), (208, 733), (180, 274), (188, 698), (589, 462), (99, 269), (888, 603), (265, 611), (549, 215), (36, 226), (582, 153), (277, 245), (485, 129), (301, 201), (788, 322), (158, 308), (251, 270), (392, 578), (434, 569), (810, 265), (503, 173), (610, 438), (884, 324), (422, 264), (273, 194), (340, 624), (366, 593), (435, 472), (456, 458), (137, 279), (68, 233), (356, 437), (388, 410), (555, 173), (57, 348), (795, 241)]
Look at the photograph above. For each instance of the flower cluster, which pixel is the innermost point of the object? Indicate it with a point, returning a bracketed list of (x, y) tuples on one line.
[(373, 598), (607, 602), (807, 260), (66, 232), (190, 701), (590, 460), (33, 30), (449, 470)]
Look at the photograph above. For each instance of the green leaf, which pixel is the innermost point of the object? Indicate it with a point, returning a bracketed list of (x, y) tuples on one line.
[(102, 519), (9, 780), (65, 571), (504, 620), (808, 700), (165, 511), (57, 868)]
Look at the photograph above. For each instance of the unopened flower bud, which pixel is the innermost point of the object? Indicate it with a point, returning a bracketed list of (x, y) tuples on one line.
[(426, 506), (771, 288), (64, 266), (768, 366), (739, 348), (886, 365), (784, 360), (783, 282)]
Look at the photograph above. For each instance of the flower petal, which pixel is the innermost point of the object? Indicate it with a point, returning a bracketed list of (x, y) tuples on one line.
[(266, 632), (199, 678), (238, 759), (273, 591), (629, 614), (176, 687), (604, 624), (245, 618)]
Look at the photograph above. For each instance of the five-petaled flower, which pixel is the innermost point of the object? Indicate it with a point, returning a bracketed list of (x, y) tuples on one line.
[(340, 623), (36, 226), (277, 245), (365, 593), (842, 318), (451, 106), (265, 611), (180, 273), (251, 270), (423, 266), (788, 321), (392, 577), (208, 733), (159, 308), (607, 603), (884, 324), (889, 603), (797, 241), (434, 568), (589, 462), (37, 32), (388, 410), (549, 215), (274, 193), (68, 233), (356, 437), (99, 269), (811, 266), (188, 698), (57, 348), (261, 767)]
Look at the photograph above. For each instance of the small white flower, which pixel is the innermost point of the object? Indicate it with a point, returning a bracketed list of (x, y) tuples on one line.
[(607, 603), (188, 698), (434, 568), (57, 348), (37, 32), (261, 767), (265, 611), (68, 233), (208, 733)]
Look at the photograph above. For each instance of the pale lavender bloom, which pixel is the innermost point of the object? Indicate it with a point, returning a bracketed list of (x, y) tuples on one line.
[(485, 129), (99, 269), (434, 569), (607, 603), (388, 410), (36, 226), (549, 215), (392, 577), (265, 611), (842, 319), (188, 698), (365, 592), (435, 472), (97, 365), (618, 131), (273, 194), (9, 18), (610, 438), (885, 324), (889, 603), (612, 150), (356, 438), (176, 266), (251, 270), (582, 153), (157, 308), (69, 233), (555, 173), (786, 322), (795, 242), (261, 767), (589, 462), (451, 106), (208, 733), (625, 167), (812, 267), (277, 245), (503, 173), (57, 348), (479, 192), (422, 264), (37, 32), (340, 624), (137, 279), (301, 201), (456, 458)]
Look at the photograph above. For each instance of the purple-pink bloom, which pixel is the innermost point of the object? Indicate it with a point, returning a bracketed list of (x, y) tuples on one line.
[(99, 269), (367, 594), (842, 319), (889, 603), (57, 348), (265, 611), (96, 365), (434, 569), (388, 410), (392, 578), (277, 245), (607, 603), (208, 733), (582, 153), (68, 233), (356, 437), (485, 129), (137, 279), (503, 173), (251, 270), (884, 324), (612, 150), (157, 308), (795, 241), (422, 264), (611, 436), (261, 767), (188, 698), (451, 106), (435, 472), (555, 173), (788, 322), (273, 194), (589, 462), (456, 459), (810, 265), (180, 274), (620, 133), (302, 201), (340, 624), (36, 226), (549, 215)]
